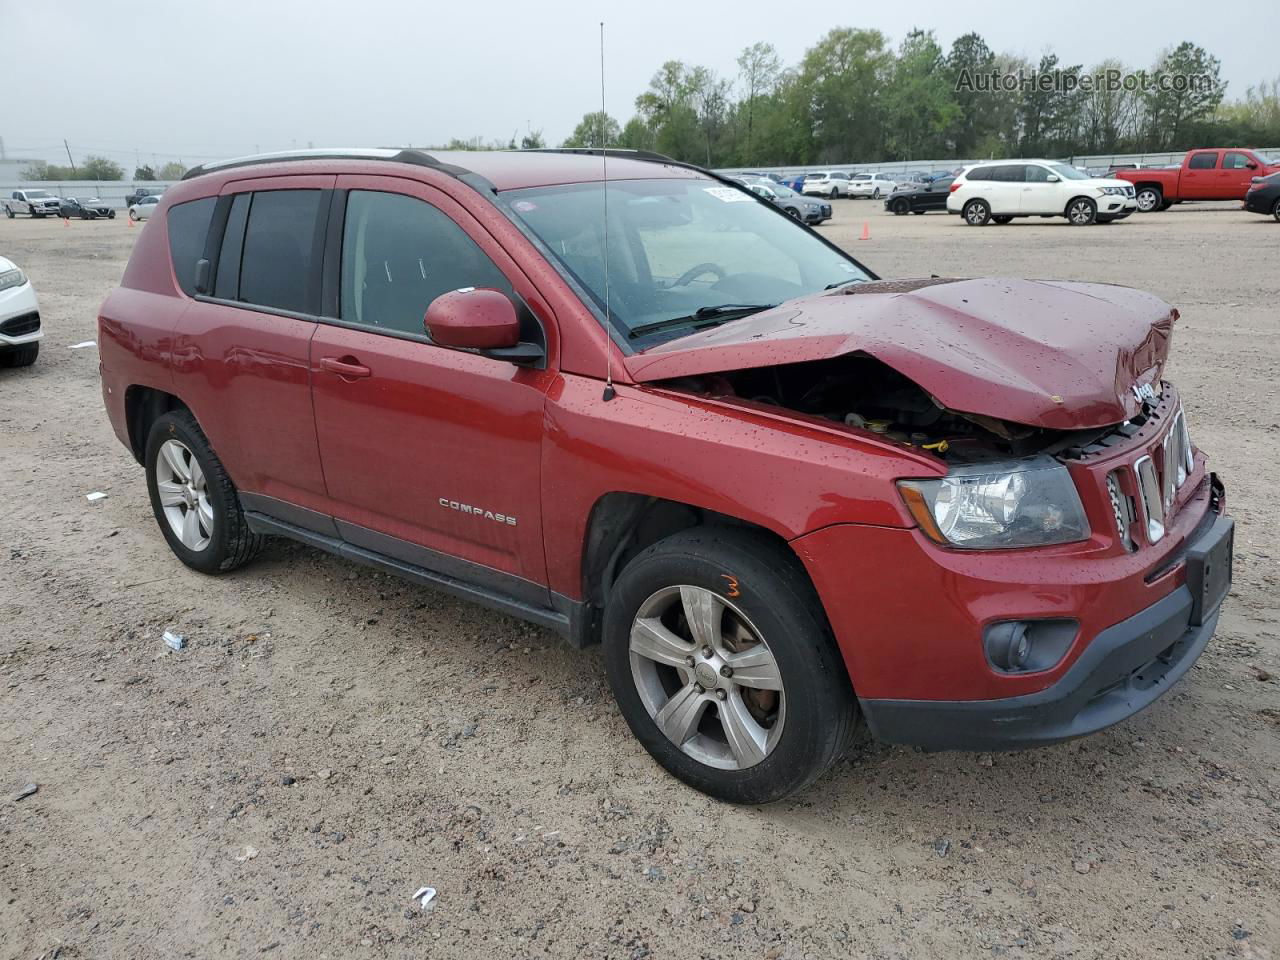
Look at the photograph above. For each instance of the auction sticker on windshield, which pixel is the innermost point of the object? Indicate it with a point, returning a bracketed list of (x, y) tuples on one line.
[(728, 194)]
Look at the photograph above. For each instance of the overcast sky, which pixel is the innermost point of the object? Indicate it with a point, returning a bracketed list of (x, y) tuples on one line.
[(207, 80)]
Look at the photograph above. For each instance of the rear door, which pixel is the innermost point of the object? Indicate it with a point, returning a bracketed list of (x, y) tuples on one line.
[(431, 455), (1005, 189), (1199, 179), (242, 348)]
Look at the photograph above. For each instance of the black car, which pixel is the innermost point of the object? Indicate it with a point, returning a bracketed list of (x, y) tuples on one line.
[(86, 209), (920, 199), (1264, 196)]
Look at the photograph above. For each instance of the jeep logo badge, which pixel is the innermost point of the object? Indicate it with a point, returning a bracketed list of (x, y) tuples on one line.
[(1145, 393)]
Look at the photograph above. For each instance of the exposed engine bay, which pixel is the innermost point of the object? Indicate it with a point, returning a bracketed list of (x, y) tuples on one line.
[(863, 393)]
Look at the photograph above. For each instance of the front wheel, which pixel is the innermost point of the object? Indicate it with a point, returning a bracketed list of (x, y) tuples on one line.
[(193, 499), (901, 208), (20, 356), (1275, 211), (8, 212), (133, 215), (977, 213), (722, 663), (1081, 212)]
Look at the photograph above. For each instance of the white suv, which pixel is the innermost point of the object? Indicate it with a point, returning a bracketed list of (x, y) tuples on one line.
[(873, 185), (19, 317), (1038, 188), (830, 184)]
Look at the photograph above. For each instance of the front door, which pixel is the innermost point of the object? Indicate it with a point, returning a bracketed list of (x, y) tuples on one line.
[(1236, 176), (430, 454), (1039, 194)]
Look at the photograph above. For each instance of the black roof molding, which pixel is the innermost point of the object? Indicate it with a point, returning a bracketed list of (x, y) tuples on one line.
[(390, 155)]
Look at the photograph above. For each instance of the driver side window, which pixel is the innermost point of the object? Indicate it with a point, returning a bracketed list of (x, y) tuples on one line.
[(398, 254)]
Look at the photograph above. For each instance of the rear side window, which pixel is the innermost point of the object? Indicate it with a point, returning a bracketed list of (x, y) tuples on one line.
[(188, 228), (279, 256), (1203, 161), (979, 173), (400, 253)]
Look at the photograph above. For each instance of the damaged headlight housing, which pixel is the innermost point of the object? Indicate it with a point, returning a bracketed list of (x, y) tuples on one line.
[(1024, 503), (12, 278)]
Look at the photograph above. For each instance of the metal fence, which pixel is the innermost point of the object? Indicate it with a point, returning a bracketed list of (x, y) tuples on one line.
[(937, 166), (111, 191)]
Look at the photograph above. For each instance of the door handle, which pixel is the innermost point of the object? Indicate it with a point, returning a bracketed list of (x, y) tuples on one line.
[(349, 368)]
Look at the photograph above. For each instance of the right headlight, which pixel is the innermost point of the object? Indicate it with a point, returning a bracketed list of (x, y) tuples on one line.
[(1024, 503), (12, 278)]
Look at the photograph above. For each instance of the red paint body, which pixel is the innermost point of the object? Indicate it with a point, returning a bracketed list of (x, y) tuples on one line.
[(383, 432), (1219, 182)]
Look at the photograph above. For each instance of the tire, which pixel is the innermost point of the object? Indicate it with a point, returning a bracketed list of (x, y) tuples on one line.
[(111, 214), (1003, 219), (833, 194), (229, 543), (793, 213), (84, 214), (8, 213), (20, 356), (977, 213), (1150, 199), (1166, 204), (1081, 212), (133, 216), (875, 194), (1275, 210), (761, 592), (901, 208)]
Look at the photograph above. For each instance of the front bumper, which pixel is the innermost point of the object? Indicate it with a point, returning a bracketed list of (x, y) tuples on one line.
[(1255, 203), (19, 316), (1125, 669)]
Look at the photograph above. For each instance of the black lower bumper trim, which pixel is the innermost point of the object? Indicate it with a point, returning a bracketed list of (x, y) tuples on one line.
[(1124, 670)]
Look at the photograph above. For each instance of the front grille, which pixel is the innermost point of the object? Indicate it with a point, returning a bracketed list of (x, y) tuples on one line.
[(20, 325)]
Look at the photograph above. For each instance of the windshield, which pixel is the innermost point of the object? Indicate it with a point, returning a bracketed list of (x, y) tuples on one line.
[(1068, 173), (677, 247), (38, 194)]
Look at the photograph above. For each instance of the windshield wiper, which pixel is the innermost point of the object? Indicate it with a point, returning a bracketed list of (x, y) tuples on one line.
[(841, 283), (703, 317)]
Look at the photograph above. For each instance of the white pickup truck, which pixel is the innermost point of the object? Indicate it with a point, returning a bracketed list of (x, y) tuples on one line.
[(38, 203)]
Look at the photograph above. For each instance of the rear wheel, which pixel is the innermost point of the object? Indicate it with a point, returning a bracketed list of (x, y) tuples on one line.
[(1003, 219), (722, 663), (21, 356), (875, 194), (133, 215), (901, 208), (193, 499), (1149, 199), (1081, 212), (977, 213), (833, 194)]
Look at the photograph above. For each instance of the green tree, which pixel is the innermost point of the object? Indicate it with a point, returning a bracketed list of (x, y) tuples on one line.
[(173, 170), (595, 130), (844, 76), (100, 168), (1048, 114), (637, 135), (144, 172), (977, 117), (532, 140), (1174, 104), (1108, 117), (759, 69), (919, 104)]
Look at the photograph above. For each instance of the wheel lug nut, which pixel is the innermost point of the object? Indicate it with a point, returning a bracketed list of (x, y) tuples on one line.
[(699, 688), (688, 661), (726, 671), (720, 694), (706, 653)]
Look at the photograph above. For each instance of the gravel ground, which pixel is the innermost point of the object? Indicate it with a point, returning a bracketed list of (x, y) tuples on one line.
[(333, 739)]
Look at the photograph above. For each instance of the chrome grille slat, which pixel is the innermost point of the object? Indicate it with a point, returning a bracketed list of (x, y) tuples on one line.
[(1152, 497)]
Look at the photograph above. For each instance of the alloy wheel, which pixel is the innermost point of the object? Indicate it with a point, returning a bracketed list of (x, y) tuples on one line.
[(1080, 212), (184, 495), (1148, 200), (707, 677)]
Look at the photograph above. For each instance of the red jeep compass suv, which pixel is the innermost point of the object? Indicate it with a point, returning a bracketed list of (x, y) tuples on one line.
[(784, 494)]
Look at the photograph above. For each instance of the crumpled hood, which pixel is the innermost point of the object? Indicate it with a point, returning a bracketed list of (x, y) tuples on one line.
[(1046, 353)]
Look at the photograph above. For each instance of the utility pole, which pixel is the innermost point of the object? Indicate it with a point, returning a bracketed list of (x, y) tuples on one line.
[(2, 148), (72, 162)]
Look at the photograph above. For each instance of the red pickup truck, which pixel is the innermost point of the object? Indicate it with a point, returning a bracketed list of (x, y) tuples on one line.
[(1211, 174)]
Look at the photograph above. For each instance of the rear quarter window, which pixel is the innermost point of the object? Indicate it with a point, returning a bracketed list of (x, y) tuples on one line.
[(188, 227)]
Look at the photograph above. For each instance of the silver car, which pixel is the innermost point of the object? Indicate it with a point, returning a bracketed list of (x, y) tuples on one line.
[(807, 209)]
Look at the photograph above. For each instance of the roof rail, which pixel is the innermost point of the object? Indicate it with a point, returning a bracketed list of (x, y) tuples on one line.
[(392, 155), (624, 153)]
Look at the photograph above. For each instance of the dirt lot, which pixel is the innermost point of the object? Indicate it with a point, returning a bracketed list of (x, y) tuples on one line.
[(332, 739)]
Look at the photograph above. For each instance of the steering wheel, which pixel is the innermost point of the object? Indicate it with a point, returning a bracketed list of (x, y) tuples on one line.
[(696, 271)]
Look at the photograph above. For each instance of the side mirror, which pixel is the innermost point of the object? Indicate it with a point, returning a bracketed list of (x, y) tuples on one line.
[(481, 319), (1251, 165), (1053, 178)]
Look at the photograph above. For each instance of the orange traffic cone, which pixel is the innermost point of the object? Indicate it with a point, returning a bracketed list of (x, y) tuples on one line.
[(866, 231), (130, 223)]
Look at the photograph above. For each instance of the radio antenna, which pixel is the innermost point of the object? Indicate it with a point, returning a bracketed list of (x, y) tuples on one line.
[(609, 392)]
